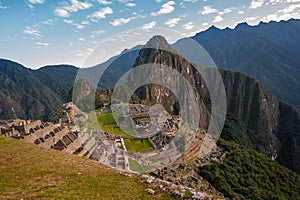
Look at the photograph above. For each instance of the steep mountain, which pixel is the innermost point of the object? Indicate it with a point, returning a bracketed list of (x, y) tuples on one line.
[(23, 95), (252, 108), (59, 78), (267, 52), (157, 50), (255, 118)]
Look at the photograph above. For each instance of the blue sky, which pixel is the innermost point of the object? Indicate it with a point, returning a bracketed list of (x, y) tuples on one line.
[(42, 32)]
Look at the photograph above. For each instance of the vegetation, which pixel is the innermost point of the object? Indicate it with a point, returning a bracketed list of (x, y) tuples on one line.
[(247, 174), (25, 93), (137, 145), (61, 113), (29, 172), (135, 166), (235, 130), (108, 124)]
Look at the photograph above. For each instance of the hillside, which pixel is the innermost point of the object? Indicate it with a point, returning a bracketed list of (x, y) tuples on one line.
[(267, 52), (23, 95), (58, 78), (246, 174), (28, 172)]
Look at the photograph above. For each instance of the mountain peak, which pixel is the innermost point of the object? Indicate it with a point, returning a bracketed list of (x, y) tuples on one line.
[(243, 24), (158, 42)]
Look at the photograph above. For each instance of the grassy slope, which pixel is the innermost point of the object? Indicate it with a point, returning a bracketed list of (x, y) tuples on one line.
[(28, 171)]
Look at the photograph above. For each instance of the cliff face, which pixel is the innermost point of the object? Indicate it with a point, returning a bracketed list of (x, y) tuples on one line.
[(158, 52), (249, 102), (289, 136), (254, 116)]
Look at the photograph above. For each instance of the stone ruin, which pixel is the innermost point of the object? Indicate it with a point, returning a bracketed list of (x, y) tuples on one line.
[(63, 136)]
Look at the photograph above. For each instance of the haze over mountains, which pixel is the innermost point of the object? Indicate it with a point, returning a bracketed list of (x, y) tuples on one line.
[(255, 118)]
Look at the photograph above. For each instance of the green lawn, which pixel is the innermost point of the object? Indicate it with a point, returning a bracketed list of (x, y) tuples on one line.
[(137, 145), (108, 124), (135, 166), (106, 118), (28, 171)]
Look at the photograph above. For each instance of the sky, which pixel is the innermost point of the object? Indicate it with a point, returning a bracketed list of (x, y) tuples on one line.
[(36, 33)]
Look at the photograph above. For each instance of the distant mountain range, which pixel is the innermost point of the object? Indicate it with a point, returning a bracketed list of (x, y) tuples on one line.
[(267, 52)]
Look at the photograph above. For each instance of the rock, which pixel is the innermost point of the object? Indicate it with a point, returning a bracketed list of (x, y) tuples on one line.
[(150, 191)]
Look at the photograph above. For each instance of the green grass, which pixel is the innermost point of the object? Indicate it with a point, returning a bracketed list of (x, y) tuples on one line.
[(135, 166), (137, 145), (106, 118), (108, 124), (28, 171)]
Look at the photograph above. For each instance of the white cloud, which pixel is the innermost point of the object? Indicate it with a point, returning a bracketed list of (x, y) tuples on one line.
[(165, 9), (36, 1), (32, 31), (192, 1), (61, 12), (256, 4), (249, 19), (272, 17), (205, 24), (73, 7), (121, 21), (130, 4), (283, 1), (79, 27), (208, 10), (95, 34), (68, 21), (81, 39), (77, 5), (172, 22), (290, 8), (85, 22), (275, 1), (227, 10), (101, 14), (218, 18), (188, 26), (3, 7), (149, 25), (42, 44), (104, 2), (48, 22)]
